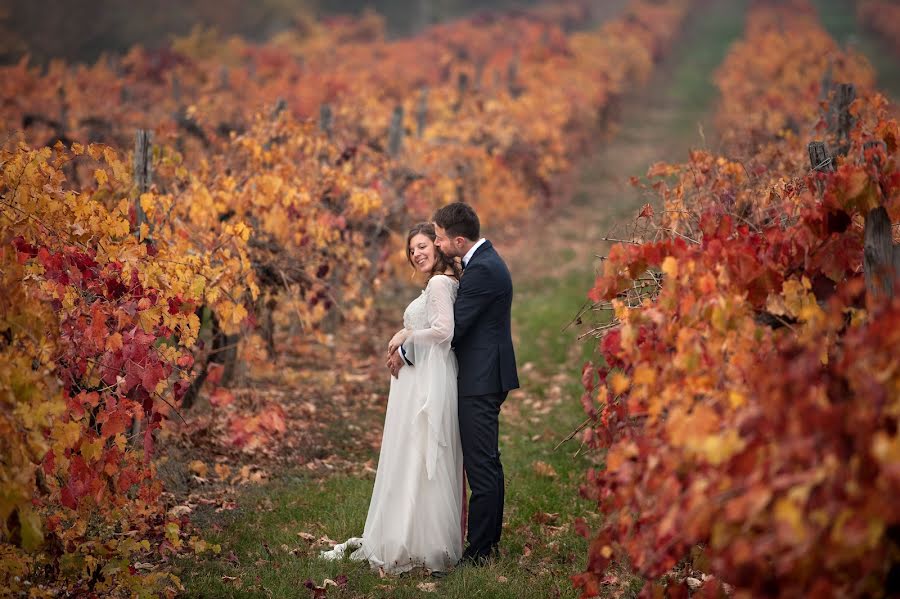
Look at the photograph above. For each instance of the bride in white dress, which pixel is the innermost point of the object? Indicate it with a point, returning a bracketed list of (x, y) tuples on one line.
[(416, 508)]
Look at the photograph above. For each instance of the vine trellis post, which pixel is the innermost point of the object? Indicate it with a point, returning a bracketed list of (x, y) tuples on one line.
[(881, 257), (143, 174)]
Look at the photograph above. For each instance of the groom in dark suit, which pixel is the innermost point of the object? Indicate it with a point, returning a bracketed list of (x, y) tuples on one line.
[(482, 340)]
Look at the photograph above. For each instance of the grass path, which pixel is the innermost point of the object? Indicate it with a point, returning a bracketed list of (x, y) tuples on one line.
[(270, 541)]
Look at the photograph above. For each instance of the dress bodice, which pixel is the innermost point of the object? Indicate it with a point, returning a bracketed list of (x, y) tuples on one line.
[(415, 317)]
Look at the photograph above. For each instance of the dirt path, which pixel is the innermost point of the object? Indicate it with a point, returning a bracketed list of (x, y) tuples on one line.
[(662, 122)]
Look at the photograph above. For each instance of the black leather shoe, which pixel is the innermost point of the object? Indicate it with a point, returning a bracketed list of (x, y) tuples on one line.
[(438, 574), (474, 561)]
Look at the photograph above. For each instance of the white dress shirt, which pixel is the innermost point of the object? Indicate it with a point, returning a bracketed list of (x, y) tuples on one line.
[(472, 250)]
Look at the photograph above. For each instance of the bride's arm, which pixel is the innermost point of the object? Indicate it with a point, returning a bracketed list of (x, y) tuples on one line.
[(439, 298), (398, 339)]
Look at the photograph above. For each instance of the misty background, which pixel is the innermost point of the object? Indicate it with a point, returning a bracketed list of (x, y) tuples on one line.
[(81, 30)]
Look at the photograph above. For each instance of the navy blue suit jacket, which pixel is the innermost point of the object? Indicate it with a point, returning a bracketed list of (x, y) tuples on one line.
[(482, 335)]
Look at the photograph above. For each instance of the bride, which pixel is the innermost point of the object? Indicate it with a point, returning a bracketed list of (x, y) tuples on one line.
[(416, 508)]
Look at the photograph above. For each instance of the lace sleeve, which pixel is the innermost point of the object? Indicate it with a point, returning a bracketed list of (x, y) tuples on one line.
[(439, 297)]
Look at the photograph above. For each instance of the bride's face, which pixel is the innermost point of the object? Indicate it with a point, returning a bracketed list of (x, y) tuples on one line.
[(422, 253)]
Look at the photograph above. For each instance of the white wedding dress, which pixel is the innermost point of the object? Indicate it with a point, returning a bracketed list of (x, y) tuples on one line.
[(415, 512)]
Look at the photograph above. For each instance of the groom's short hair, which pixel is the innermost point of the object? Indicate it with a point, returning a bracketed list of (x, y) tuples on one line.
[(458, 219)]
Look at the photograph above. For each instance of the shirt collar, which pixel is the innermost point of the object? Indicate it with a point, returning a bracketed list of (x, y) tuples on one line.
[(472, 250)]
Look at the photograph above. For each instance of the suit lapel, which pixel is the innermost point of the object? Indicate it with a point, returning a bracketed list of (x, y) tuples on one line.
[(481, 249)]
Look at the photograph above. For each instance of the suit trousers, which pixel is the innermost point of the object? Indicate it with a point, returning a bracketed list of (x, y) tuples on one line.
[(479, 433)]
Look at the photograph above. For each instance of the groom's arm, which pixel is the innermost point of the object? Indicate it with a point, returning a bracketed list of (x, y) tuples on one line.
[(407, 357), (474, 296)]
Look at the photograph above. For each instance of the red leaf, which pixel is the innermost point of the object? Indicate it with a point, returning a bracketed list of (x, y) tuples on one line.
[(67, 498), (49, 462), (151, 377), (116, 422)]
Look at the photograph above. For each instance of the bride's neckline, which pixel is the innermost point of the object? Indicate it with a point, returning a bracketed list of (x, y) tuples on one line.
[(440, 274)]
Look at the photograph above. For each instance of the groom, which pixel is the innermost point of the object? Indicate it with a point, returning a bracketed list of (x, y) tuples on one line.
[(487, 367)]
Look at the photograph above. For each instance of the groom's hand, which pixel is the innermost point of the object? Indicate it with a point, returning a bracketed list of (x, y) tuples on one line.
[(395, 363)]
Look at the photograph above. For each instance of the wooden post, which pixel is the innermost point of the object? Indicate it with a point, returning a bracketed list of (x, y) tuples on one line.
[(176, 90), (845, 93), (143, 172), (280, 105), (825, 88), (143, 177), (881, 259), (874, 143), (395, 133), (326, 120), (462, 86), (422, 112), (63, 111), (512, 78), (819, 160)]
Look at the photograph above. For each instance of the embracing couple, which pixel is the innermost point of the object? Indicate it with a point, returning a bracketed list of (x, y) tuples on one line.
[(452, 366)]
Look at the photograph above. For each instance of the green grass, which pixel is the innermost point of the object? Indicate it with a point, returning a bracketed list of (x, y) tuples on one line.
[(542, 308), (693, 90), (839, 18)]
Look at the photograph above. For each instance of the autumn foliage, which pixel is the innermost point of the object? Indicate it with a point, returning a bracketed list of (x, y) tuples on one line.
[(749, 391), (256, 197)]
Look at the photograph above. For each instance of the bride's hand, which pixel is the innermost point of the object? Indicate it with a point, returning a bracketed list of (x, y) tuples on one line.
[(397, 340)]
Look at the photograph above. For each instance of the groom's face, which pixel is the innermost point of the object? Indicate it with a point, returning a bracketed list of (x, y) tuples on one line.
[(448, 246)]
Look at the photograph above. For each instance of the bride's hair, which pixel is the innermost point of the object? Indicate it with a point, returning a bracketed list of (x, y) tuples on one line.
[(442, 263)]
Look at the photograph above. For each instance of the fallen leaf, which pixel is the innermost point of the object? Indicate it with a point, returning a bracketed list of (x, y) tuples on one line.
[(544, 469), (198, 468), (544, 518), (180, 510), (428, 587), (223, 471)]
